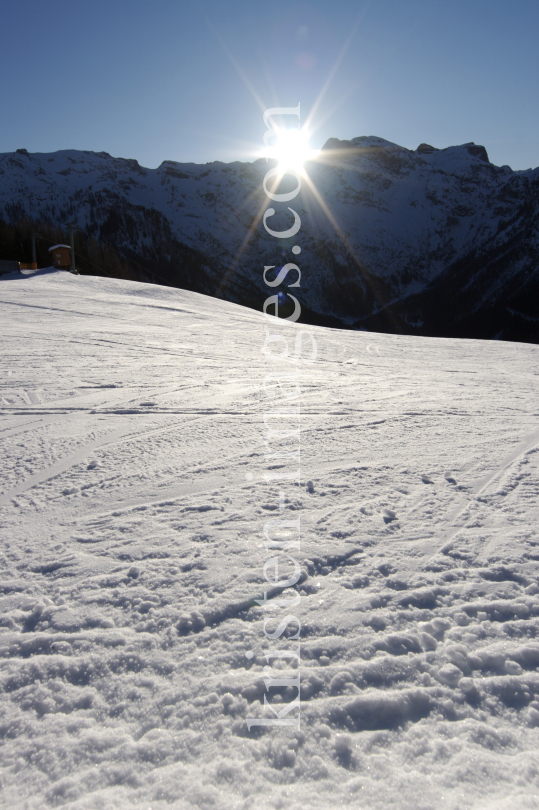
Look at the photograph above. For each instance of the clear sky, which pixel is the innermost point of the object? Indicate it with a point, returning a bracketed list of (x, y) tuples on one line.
[(174, 80)]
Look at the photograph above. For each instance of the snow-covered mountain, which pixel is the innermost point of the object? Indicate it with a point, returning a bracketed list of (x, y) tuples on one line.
[(437, 242), (133, 505)]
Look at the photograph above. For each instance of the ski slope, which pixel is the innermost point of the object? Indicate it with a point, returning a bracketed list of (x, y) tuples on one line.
[(132, 507)]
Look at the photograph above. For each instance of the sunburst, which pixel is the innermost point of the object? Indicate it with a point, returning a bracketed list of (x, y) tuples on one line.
[(291, 149)]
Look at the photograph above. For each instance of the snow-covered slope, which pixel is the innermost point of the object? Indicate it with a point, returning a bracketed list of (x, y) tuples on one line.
[(132, 512), (426, 241)]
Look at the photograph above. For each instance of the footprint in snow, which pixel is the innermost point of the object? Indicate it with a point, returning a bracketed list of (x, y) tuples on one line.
[(388, 515), (70, 491)]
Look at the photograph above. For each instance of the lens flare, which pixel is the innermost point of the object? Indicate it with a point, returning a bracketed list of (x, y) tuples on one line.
[(292, 149)]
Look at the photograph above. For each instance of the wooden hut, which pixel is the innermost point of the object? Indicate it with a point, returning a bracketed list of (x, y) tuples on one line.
[(61, 256)]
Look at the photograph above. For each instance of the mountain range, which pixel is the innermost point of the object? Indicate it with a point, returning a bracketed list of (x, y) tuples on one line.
[(435, 242)]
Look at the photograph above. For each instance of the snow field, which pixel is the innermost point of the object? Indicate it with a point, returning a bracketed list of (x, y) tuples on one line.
[(132, 552)]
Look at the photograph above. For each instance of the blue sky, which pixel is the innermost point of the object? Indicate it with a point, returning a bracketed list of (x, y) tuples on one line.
[(168, 79)]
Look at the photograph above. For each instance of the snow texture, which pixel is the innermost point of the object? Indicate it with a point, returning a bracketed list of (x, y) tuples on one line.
[(131, 513)]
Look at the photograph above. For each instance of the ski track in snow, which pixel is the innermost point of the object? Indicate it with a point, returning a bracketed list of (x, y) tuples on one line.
[(131, 551)]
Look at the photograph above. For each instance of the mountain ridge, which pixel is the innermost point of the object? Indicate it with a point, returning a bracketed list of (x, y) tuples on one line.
[(408, 231)]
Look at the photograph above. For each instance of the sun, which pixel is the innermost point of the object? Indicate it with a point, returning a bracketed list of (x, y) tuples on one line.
[(292, 149)]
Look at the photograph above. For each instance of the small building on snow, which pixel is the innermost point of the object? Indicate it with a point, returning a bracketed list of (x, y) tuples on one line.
[(61, 256)]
